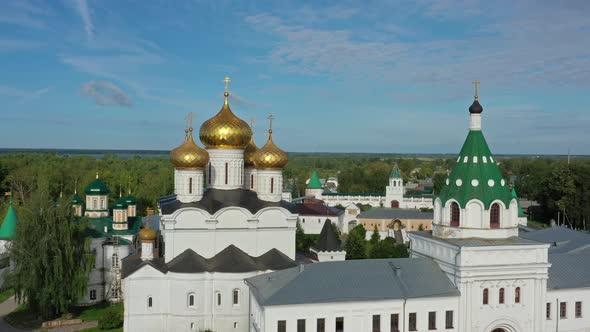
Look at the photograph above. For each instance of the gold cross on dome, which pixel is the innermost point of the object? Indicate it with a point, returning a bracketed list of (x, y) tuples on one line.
[(227, 80), (270, 118), (476, 82), (189, 120)]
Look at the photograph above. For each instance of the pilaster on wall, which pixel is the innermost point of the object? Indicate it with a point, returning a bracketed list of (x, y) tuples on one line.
[(226, 169)]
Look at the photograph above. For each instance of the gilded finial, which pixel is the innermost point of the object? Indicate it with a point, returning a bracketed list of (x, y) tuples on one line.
[(97, 174), (189, 120), (120, 191), (227, 80), (476, 82), (270, 118)]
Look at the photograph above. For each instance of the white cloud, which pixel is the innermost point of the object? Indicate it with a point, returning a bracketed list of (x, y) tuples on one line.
[(81, 7), (23, 94), (106, 94)]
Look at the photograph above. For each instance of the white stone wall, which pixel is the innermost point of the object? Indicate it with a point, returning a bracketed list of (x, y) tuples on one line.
[(218, 159), (358, 316), (570, 323), (207, 235), (314, 224), (329, 256), (377, 201), (170, 309), (183, 179), (269, 184), (394, 191), (250, 178)]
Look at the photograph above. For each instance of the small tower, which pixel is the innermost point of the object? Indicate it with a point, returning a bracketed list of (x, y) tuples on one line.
[(270, 161), (131, 205), (120, 214), (476, 200), (225, 136), (147, 236), (97, 199), (328, 246), (189, 161), (314, 186), (249, 167), (77, 203), (394, 192)]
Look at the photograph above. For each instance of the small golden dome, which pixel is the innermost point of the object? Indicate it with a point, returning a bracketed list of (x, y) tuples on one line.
[(189, 155), (225, 130), (147, 234), (270, 156), (250, 153)]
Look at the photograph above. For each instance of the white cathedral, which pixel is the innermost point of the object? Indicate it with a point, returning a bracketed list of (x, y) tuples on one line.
[(229, 255)]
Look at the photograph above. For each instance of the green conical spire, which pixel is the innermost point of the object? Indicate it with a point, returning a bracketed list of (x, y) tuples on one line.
[(395, 173), (521, 213), (314, 181), (8, 228)]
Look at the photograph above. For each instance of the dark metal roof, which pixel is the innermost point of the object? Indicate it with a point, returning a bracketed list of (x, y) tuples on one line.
[(355, 280), (479, 242), (230, 260), (475, 107), (215, 199), (569, 271), (562, 239), (385, 213), (328, 240)]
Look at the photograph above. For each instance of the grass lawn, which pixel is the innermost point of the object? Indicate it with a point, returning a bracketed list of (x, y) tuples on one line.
[(96, 329), (5, 294), (536, 224), (23, 318), (96, 311)]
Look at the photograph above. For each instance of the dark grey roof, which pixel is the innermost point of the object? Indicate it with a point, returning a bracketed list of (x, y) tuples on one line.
[(562, 239), (354, 280), (230, 260), (385, 213), (215, 199), (569, 271), (479, 242), (328, 240)]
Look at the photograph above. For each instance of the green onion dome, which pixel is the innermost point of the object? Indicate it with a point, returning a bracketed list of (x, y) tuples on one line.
[(97, 187)]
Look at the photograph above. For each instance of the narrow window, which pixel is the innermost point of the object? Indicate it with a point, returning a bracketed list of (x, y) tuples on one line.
[(394, 323), (236, 296), (251, 181), (455, 214), (485, 296), (376, 323), (93, 294), (321, 325), (150, 302), (209, 173), (563, 310), (501, 296), (548, 310), (226, 172), (578, 309), (301, 325), (495, 216), (432, 320), (449, 319), (282, 326), (412, 323), (517, 295), (191, 300), (115, 261), (218, 299), (339, 324), (94, 202), (190, 185), (272, 185)]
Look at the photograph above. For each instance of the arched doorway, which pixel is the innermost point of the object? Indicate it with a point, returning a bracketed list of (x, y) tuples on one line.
[(499, 330), (395, 204)]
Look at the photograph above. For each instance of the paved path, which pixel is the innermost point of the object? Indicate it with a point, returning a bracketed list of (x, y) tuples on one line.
[(7, 307)]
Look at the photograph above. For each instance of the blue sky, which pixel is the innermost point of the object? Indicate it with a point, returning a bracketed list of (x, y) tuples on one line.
[(342, 76)]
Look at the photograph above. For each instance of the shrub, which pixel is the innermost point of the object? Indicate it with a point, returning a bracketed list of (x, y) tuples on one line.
[(111, 319)]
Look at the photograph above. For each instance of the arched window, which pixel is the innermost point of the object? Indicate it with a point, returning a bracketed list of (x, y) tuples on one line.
[(251, 181), (191, 300), (455, 214), (115, 260), (190, 185), (501, 296), (150, 302), (236, 297), (218, 298), (209, 173), (272, 185), (226, 172), (517, 295), (495, 216), (486, 294)]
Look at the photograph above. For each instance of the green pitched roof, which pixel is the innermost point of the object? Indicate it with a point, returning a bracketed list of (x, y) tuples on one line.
[(521, 213), (476, 175), (97, 187), (77, 200), (395, 173), (96, 227), (314, 181), (120, 204), (8, 228)]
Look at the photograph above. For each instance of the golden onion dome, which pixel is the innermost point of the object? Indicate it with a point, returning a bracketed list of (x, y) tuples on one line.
[(147, 234), (189, 155), (270, 156), (250, 153), (225, 130)]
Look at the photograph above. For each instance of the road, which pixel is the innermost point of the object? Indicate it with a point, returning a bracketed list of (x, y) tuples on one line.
[(7, 307)]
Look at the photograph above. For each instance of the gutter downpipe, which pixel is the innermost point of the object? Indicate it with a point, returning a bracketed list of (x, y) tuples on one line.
[(557, 315), (404, 315)]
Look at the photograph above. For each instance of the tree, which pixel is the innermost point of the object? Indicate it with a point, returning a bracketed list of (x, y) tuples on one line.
[(438, 182), (356, 245), (375, 237), (51, 256)]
